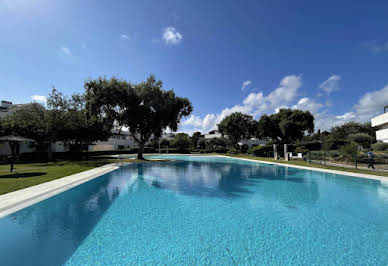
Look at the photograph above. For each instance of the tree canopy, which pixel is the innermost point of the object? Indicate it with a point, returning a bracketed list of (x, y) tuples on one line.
[(181, 141), (343, 131), (287, 125), (144, 108), (237, 126)]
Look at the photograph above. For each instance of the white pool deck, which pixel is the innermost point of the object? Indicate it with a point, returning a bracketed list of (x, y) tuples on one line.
[(17, 200)]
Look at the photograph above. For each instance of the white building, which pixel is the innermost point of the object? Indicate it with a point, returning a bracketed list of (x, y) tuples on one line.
[(381, 124), (252, 142), (215, 135), (119, 140)]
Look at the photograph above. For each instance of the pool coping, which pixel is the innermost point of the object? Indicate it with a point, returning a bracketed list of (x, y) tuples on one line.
[(14, 201), (330, 171)]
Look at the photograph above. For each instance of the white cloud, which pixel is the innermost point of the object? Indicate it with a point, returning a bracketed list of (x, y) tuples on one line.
[(193, 120), (245, 84), (124, 37), (65, 50), (254, 104), (172, 36), (287, 91), (39, 98), (331, 84), (308, 104), (376, 47), (371, 104)]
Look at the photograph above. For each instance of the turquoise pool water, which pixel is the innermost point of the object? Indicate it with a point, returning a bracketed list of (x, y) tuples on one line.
[(204, 210)]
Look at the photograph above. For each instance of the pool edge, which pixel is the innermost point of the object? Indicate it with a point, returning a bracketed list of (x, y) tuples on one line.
[(330, 171), (14, 201)]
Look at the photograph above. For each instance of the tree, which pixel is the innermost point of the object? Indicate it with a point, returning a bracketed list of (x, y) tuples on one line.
[(145, 108), (88, 128), (194, 138), (267, 127), (287, 125), (237, 126), (349, 152), (361, 139), (181, 141), (342, 132), (30, 122)]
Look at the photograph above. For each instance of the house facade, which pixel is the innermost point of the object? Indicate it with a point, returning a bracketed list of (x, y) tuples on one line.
[(381, 124)]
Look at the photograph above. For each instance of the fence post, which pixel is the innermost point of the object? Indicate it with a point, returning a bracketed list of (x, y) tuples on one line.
[(310, 157), (324, 158)]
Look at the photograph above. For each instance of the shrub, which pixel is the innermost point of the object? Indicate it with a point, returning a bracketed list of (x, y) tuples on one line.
[(181, 141), (380, 146), (349, 152), (362, 139), (234, 151), (261, 150)]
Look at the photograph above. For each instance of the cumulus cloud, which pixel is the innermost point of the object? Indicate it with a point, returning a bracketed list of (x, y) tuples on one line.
[(254, 104), (124, 37), (65, 50), (308, 104), (39, 98), (245, 84), (172, 36), (371, 104), (331, 84)]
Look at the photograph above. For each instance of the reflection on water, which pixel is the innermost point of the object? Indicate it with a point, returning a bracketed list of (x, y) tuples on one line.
[(34, 233), (231, 179)]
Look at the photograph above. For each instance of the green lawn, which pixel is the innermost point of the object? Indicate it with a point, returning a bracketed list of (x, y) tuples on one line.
[(305, 163), (26, 175)]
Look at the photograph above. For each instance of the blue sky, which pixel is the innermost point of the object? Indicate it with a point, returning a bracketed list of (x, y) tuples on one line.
[(329, 57)]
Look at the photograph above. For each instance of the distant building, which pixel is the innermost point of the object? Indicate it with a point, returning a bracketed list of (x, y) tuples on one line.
[(119, 140), (215, 135), (252, 142), (7, 108), (381, 124)]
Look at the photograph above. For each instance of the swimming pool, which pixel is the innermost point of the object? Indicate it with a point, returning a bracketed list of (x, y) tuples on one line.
[(204, 210)]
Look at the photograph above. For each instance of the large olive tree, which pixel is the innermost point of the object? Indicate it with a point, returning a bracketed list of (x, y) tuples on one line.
[(144, 108)]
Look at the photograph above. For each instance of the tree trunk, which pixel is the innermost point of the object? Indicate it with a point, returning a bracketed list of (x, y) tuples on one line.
[(50, 153), (12, 145), (140, 152)]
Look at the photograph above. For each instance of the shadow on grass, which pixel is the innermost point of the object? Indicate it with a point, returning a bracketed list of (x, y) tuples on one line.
[(23, 175)]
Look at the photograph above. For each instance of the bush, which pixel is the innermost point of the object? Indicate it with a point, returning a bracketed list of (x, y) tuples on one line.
[(263, 151), (349, 152), (181, 141), (380, 146), (362, 139), (234, 151)]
